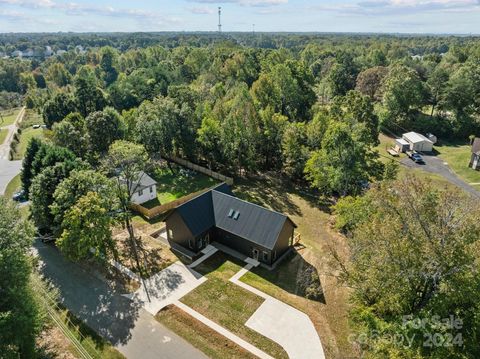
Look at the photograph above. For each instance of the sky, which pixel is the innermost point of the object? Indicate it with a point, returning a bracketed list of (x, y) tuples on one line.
[(380, 16)]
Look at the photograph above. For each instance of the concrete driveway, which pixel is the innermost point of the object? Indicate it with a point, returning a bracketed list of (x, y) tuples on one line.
[(283, 324), (289, 327), (131, 329), (167, 286), (434, 164)]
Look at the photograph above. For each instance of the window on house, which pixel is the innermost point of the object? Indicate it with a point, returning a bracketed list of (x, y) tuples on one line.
[(151, 189), (170, 234), (190, 243), (265, 256), (140, 193), (274, 255)]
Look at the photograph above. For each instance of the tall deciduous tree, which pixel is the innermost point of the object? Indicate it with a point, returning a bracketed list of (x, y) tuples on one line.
[(71, 133), (87, 229), (345, 162), (20, 319), (76, 185), (103, 128), (413, 257), (57, 108)]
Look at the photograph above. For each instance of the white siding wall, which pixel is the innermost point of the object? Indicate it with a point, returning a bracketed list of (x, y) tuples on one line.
[(146, 196)]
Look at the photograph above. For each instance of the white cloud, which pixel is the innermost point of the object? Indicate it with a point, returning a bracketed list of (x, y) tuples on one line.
[(203, 10), (400, 7), (259, 3)]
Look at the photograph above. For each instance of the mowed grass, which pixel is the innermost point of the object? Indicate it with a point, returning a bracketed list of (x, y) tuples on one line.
[(25, 137), (13, 186), (8, 117), (458, 157), (228, 304), (173, 185), (202, 337), (330, 315), (3, 135)]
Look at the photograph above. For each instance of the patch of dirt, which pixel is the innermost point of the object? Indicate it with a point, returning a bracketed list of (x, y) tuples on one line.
[(53, 344)]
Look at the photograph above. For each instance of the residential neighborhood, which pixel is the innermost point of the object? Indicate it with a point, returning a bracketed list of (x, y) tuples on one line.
[(242, 179)]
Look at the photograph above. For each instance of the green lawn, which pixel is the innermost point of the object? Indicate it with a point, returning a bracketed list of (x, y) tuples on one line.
[(13, 186), (172, 186), (228, 304), (25, 137), (458, 157), (202, 337), (3, 135), (8, 117)]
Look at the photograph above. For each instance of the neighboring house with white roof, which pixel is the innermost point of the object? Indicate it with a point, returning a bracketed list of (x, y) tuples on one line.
[(418, 142)]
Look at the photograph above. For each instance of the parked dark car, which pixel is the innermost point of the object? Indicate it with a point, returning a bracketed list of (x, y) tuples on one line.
[(19, 196), (416, 158)]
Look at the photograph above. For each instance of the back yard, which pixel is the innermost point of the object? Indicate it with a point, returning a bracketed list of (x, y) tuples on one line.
[(228, 304), (176, 184)]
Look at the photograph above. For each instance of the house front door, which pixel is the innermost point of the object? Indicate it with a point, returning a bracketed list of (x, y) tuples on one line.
[(255, 253)]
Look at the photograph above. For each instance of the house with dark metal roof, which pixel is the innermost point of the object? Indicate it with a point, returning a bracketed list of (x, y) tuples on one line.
[(475, 159), (218, 216)]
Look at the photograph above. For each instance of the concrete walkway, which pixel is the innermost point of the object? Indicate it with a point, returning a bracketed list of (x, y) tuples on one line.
[(283, 324), (221, 330), (166, 287)]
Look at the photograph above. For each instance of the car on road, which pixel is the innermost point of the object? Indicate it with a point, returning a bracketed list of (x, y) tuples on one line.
[(35, 127)]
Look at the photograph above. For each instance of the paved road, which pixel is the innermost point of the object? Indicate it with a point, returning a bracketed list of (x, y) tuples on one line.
[(133, 331), (8, 170), (436, 165)]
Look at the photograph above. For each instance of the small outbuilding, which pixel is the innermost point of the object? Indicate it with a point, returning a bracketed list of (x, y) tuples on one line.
[(401, 145), (247, 228), (418, 142), (475, 159), (143, 189)]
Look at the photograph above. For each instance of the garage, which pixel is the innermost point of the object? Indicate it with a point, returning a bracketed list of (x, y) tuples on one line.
[(418, 142)]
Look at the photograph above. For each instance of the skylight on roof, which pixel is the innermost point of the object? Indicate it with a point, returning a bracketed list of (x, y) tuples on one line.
[(236, 215), (231, 213)]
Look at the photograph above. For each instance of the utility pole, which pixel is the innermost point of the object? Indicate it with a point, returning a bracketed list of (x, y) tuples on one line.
[(219, 19)]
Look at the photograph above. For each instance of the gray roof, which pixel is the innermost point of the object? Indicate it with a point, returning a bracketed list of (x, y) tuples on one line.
[(476, 146), (142, 181), (219, 208)]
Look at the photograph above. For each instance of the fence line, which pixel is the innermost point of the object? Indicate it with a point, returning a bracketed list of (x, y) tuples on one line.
[(150, 213), (204, 170), (157, 211)]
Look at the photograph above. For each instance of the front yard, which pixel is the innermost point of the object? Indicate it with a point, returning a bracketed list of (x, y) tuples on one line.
[(228, 304)]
